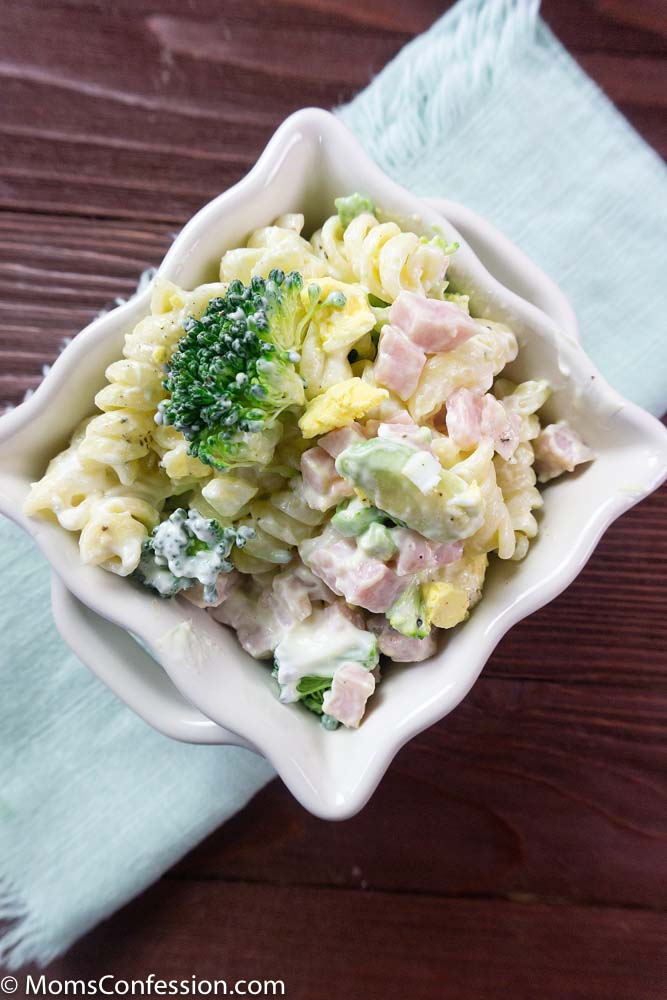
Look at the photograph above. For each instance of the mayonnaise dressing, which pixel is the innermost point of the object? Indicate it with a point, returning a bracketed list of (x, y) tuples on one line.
[(318, 646)]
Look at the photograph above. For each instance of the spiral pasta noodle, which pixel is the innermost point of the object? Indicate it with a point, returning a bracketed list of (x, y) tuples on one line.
[(381, 256), (69, 488), (280, 523), (277, 246), (115, 532), (497, 531), (471, 365)]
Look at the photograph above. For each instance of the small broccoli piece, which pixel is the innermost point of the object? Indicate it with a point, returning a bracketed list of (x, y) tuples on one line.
[(353, 517), (351, 206), (311, 690), (379, 468), (377, 541), (328, 721), (440, 240), (186, 549), (462, 301), (233, 372), (408, 614)]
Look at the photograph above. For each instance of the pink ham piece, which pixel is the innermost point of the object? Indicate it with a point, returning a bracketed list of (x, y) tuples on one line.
[(351, 688), (406, 432), (336, 441), (371, 427), (399, 362), (471, 418), (559, 449), (350, 573), (294, 590), (323, 487), (397, 646), (431, 324), (416, 553), (258, 628), (263, 612)]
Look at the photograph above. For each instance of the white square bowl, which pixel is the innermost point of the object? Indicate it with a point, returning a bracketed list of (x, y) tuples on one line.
[(311, 159)]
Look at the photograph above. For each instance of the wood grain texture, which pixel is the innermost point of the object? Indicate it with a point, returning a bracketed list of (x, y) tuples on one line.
[(518, 848), (549, 791), (328, 944)]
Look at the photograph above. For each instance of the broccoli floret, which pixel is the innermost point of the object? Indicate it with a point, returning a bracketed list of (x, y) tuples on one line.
[(408, 614), (186, 549), (233, 373), (351, 206)]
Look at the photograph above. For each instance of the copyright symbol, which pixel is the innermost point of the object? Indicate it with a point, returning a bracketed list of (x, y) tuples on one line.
[(8, 984)]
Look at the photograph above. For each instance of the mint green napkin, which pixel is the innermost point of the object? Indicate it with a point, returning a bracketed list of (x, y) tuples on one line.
[(486, 108), (94, 805)]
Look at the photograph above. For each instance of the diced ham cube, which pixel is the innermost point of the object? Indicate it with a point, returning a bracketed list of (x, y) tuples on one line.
[(318, 469), (500, 426), (294, 590), (340, 489), (354, 615), (257, 626), (471, 418), (351, 688), (397, 646), (336, 441), (371, 584), (433, 325), (464, 418), (322, 486), (559, 449), (350, 573), (406, 432), (416, 553), (399, 362)]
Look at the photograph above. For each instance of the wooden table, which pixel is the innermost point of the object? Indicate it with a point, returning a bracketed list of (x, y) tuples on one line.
[(516, 849)]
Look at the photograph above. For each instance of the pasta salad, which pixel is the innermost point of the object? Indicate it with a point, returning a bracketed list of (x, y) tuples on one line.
[(321, 449)]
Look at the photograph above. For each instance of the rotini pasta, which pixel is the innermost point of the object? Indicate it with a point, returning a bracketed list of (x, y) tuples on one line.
[(277, 246), (471, 365), (279, 523), (380, 256)]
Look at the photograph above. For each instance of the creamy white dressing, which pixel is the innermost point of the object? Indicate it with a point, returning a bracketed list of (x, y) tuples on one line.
[(318, 646)]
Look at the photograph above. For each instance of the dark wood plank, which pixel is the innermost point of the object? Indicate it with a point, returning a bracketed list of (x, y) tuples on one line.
[(610, 625), (609, 25), (549, 791), (87, 130), (326, 944), (190, 112), (55, 276)]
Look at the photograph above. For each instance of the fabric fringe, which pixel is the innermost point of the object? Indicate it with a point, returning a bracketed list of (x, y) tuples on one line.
[(22, 936), (409, 102)]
